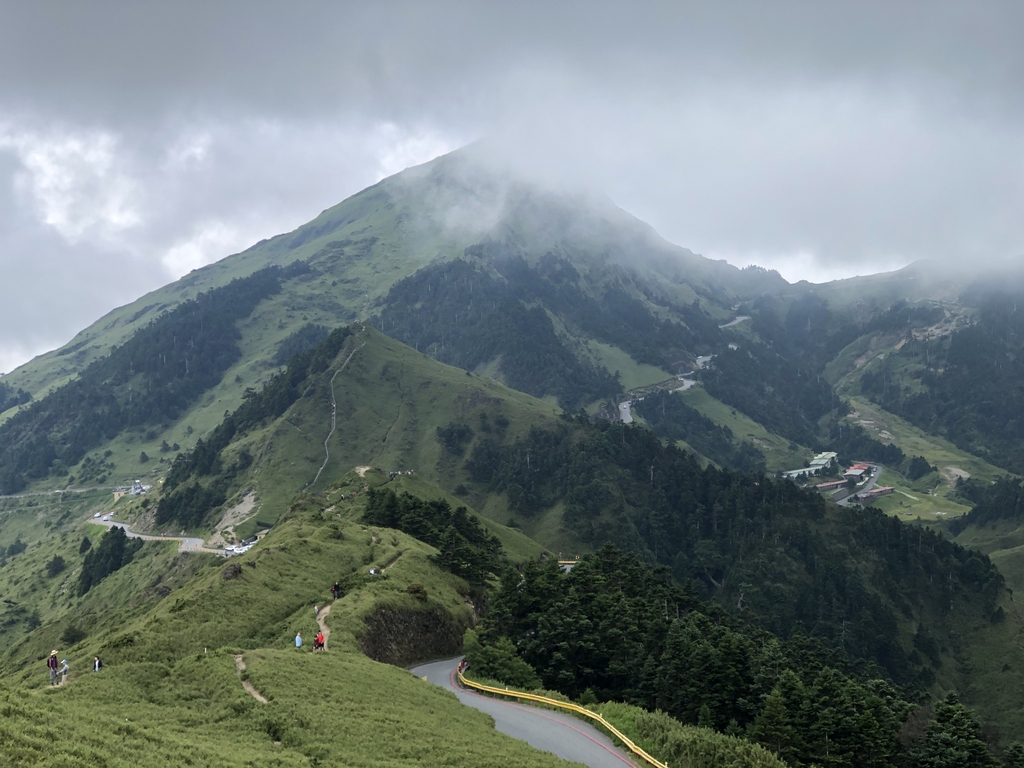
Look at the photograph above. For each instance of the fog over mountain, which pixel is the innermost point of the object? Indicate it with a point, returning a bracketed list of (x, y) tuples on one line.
[(139, 142)]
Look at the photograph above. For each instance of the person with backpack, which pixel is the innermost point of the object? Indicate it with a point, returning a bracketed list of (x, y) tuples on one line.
[(52, 665)]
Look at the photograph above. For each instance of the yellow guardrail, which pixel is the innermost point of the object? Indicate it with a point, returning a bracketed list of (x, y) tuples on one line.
[(562, 705)]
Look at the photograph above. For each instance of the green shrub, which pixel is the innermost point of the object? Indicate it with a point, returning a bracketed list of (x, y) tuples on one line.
[(499, 662)]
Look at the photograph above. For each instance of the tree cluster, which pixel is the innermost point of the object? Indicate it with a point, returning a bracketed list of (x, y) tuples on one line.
[(114, 551), (616, 629), (10, 397), (466, 548)]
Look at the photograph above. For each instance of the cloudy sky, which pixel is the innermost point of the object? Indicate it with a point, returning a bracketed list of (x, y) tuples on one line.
[(141, 140)]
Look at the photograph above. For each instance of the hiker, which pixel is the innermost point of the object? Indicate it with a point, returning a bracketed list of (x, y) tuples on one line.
[(320, 640), (316, 610), (52, 665), (298, 639), (336, 590), (63, 671), (96, 663)]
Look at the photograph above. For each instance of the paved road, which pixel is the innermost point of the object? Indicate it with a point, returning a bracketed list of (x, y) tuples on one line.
[(876, 472), (566, 736), (185, 543), (57, 492), (737, 321)]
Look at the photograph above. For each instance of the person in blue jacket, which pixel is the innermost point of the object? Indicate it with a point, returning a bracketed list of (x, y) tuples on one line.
[(298, 639)]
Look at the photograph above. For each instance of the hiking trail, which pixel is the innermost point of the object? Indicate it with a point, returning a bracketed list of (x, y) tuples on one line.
[(249, 687), (334, 413), (323, 624)]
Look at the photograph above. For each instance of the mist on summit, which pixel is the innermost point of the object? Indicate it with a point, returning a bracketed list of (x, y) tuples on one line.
[(824, 142)]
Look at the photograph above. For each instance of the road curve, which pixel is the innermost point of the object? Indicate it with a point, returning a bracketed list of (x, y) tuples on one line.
[(566, 736), (185, 543)]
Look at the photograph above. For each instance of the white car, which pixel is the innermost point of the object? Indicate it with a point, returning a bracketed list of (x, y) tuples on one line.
[(97, 514), (106, 518)]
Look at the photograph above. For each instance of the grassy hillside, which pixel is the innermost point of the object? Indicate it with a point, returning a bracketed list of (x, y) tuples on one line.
[(171, 690)]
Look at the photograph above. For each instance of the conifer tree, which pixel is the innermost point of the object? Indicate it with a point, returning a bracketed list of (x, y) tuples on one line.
[(953, 739)]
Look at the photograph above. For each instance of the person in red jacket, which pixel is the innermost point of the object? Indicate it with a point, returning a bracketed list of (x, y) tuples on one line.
[(52, 664)]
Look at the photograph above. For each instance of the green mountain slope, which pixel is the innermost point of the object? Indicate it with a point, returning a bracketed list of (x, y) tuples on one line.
[(361, 247)]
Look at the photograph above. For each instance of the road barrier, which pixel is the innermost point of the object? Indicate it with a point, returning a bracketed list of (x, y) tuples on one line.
[(561, 705)]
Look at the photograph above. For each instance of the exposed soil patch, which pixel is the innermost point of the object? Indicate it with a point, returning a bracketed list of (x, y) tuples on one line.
[(953, 474), (233, 516)]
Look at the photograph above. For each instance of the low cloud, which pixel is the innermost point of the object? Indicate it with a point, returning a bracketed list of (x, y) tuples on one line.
[(138, 141)]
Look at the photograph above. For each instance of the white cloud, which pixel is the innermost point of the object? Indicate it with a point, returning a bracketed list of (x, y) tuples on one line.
[(398, 148), (210, 241), (75, 182)]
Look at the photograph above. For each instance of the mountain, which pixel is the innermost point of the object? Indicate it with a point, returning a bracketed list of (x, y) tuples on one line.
[(486, 333), (427, 215)]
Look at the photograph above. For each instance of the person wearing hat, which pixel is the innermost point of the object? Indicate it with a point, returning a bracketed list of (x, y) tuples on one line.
[(51, 663), (64, 671)]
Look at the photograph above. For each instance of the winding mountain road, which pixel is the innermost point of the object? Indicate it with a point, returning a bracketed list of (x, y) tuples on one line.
[(185, 543), (561, 734)]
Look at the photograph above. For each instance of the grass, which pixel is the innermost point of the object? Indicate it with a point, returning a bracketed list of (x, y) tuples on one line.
[(328, 709), (909, 504), (913, 441), (631, 373), (169, 691), (780, 453)]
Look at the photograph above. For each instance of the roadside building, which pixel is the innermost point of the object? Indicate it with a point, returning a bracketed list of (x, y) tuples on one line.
[(874, 493), (794, 474), (824, 461), (832, 485), (858, 472)]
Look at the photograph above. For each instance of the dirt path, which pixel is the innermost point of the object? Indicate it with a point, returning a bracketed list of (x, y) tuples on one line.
[(249, 688), (323, 624)]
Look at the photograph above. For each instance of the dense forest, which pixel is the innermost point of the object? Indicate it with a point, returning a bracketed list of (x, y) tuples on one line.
[(199, 479), (465, 317), (776, 554), (615, 629), (786, 395), (151, 379), (673, 419), (969, 386)]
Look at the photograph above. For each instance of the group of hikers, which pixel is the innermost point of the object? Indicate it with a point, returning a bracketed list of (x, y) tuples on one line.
[(319, 641), (59, 669)]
